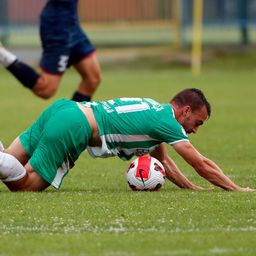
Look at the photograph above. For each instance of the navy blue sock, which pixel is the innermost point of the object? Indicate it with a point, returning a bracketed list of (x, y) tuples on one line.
[(80, 97), (24, 73)]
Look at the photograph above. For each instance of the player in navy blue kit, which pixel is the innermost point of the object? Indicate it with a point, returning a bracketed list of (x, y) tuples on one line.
[(64, 44)]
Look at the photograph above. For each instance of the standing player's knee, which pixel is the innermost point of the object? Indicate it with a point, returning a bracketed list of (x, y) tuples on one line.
[(46, 88), (47, 93)]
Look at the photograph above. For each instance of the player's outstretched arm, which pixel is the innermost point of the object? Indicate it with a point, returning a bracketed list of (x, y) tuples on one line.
[(206, 168), (172, 171)]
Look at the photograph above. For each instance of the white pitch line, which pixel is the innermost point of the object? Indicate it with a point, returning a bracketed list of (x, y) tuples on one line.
[(112, 229)]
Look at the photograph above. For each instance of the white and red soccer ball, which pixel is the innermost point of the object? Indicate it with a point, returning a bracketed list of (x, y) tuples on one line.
[(145, 173)]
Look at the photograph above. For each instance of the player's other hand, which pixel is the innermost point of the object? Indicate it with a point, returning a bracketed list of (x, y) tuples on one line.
[(247, 189), (196, 187)]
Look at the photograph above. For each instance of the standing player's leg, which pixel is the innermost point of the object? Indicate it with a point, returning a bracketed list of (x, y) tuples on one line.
[(84, 59), (55, 39), (24, 73), (43, 84), (89, 70)]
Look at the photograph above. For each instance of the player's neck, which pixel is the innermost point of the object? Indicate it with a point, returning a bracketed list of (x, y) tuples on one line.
[(175, 110)]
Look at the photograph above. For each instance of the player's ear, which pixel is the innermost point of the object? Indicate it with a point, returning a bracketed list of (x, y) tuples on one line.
[(186, 110)]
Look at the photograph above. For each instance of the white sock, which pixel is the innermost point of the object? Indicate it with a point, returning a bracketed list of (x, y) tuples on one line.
[(10, 168), (6, 57)]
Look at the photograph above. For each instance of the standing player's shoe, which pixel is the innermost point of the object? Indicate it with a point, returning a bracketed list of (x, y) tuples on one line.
[(1, 146)]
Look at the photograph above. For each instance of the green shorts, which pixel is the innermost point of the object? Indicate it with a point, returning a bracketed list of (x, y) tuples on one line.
[(55, 141)]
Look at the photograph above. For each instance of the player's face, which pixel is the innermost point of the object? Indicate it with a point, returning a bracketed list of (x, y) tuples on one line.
[(194, 119)]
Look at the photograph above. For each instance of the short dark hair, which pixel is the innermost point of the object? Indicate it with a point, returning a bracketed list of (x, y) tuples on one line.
[(194, 98)]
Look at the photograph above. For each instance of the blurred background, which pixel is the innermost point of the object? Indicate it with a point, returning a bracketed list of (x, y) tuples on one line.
[(159, 31)]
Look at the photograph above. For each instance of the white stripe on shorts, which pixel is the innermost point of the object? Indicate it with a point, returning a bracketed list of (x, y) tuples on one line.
[(61, 172)]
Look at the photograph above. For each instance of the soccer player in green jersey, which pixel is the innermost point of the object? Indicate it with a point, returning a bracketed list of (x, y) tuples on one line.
[(42, 155)]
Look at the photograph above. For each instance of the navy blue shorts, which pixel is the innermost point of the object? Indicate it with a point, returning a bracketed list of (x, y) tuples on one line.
[(64, 42)]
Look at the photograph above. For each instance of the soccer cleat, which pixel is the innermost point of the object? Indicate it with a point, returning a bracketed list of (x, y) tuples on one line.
[(1, 146)]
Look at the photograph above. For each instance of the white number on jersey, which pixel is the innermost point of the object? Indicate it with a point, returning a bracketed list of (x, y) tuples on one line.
[(132, 108), (63, 62)]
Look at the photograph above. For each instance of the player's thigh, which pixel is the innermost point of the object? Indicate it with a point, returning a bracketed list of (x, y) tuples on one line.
[(83, 56), (89, 67), (17, 150)]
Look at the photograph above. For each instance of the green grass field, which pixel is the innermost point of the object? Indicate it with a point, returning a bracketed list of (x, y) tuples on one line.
[(95, 213)]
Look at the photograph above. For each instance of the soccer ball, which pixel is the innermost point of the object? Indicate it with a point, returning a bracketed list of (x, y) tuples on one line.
[(145, 173)]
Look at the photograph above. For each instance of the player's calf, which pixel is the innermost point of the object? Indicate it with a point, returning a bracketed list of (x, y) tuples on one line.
[(24, 73), (86, 89)]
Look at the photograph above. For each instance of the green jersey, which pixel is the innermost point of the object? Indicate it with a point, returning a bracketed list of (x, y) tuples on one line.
[(134, 126)]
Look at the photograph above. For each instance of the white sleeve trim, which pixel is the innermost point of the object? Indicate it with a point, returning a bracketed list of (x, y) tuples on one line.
[(177, 141)]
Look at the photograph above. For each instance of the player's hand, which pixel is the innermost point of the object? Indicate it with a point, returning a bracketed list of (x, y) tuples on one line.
[(247, 189), (196, 187)]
